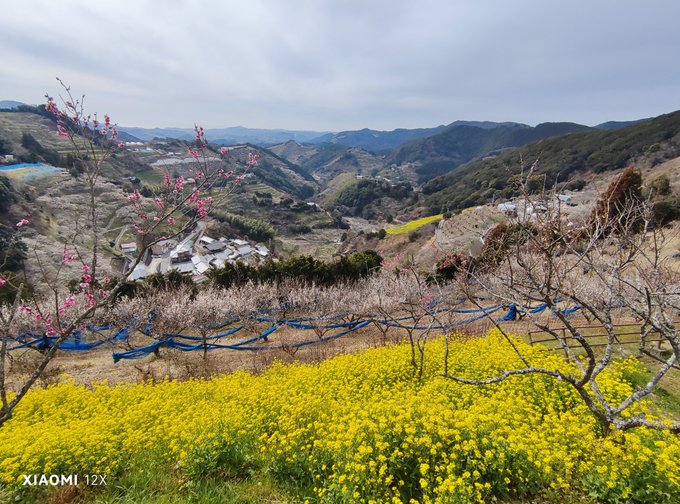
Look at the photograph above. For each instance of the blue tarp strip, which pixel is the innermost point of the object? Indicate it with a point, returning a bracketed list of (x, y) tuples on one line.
[(199, 338), (74, 343)]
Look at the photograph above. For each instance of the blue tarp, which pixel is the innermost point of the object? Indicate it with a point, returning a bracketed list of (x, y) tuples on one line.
[(511, 315), (185, 347), (193, 342), (138, 353), (74, 343)]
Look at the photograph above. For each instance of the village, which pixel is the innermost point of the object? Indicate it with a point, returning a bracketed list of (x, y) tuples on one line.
[(192, 256)]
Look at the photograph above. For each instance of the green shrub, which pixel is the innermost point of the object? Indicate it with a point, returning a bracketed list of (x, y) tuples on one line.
[(304, 268), (666, 211), (575, 185), (661, 185)]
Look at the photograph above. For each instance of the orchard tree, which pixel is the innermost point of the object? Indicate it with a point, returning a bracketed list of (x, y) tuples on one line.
[(52, 312), (615, 264)]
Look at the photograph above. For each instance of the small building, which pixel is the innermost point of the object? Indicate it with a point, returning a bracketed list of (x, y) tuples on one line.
[(165, 265), (128, 248), (139, 273), (245, 251), (198, 279), (120, 264), (185, 268), (157, 250), (218, 259), (565, 198), (536, 208), (181, 252), (262, 250), (215, 246), (201, 264), (507, 207), (238, 242)]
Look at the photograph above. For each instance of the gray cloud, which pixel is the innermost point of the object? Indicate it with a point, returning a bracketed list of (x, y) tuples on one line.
[(336, 65)]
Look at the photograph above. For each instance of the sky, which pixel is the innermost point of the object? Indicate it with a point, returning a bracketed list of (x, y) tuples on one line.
[(333, 65)]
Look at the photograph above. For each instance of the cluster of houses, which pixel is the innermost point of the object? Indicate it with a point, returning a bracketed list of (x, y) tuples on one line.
[(195, 257), (534, 207)]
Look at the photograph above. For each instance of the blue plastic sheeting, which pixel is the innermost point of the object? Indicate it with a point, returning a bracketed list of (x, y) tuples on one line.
[(74, 343), (35, 340), (476, 310), (200, 338), (193, 342), (359, 325), (98, 329), (298, 325), (494, 309), (171, 343), (18, 166), (78, 345), (43, 169), (511, 315), (243, 345), (571, 310)]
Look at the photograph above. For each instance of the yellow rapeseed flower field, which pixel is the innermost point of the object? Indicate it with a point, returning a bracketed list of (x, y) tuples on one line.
[(355, 428), (414, 224)]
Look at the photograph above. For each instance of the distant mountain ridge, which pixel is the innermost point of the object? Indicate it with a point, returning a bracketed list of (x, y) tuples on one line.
[(374, 140), (367, 139), (225, 136), (458, 144), (614, 125), (377, 141), (10, 104), (561, 159)]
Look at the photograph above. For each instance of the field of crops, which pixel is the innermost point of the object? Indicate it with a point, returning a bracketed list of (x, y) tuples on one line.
[(355, 428), (412, 225)]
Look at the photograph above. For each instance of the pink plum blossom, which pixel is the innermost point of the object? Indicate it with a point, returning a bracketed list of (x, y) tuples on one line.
[(68, 257)]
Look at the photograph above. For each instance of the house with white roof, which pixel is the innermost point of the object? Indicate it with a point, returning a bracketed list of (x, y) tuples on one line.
[(181, 252), (186, 268), (245, 251), (139, 273), (201, 264), (262, 250)]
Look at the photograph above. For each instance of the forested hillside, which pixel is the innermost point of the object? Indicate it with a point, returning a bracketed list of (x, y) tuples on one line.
[(563, 159)]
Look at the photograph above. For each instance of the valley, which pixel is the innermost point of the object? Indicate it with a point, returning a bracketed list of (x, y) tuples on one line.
[(449, 261)]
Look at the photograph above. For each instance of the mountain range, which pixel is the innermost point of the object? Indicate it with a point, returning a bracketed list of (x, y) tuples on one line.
[(564, 159), (367, 139), (225, 136), (309, 191), (10, 104)]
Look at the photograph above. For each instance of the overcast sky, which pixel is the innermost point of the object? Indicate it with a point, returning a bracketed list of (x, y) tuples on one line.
[(346, 64)]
